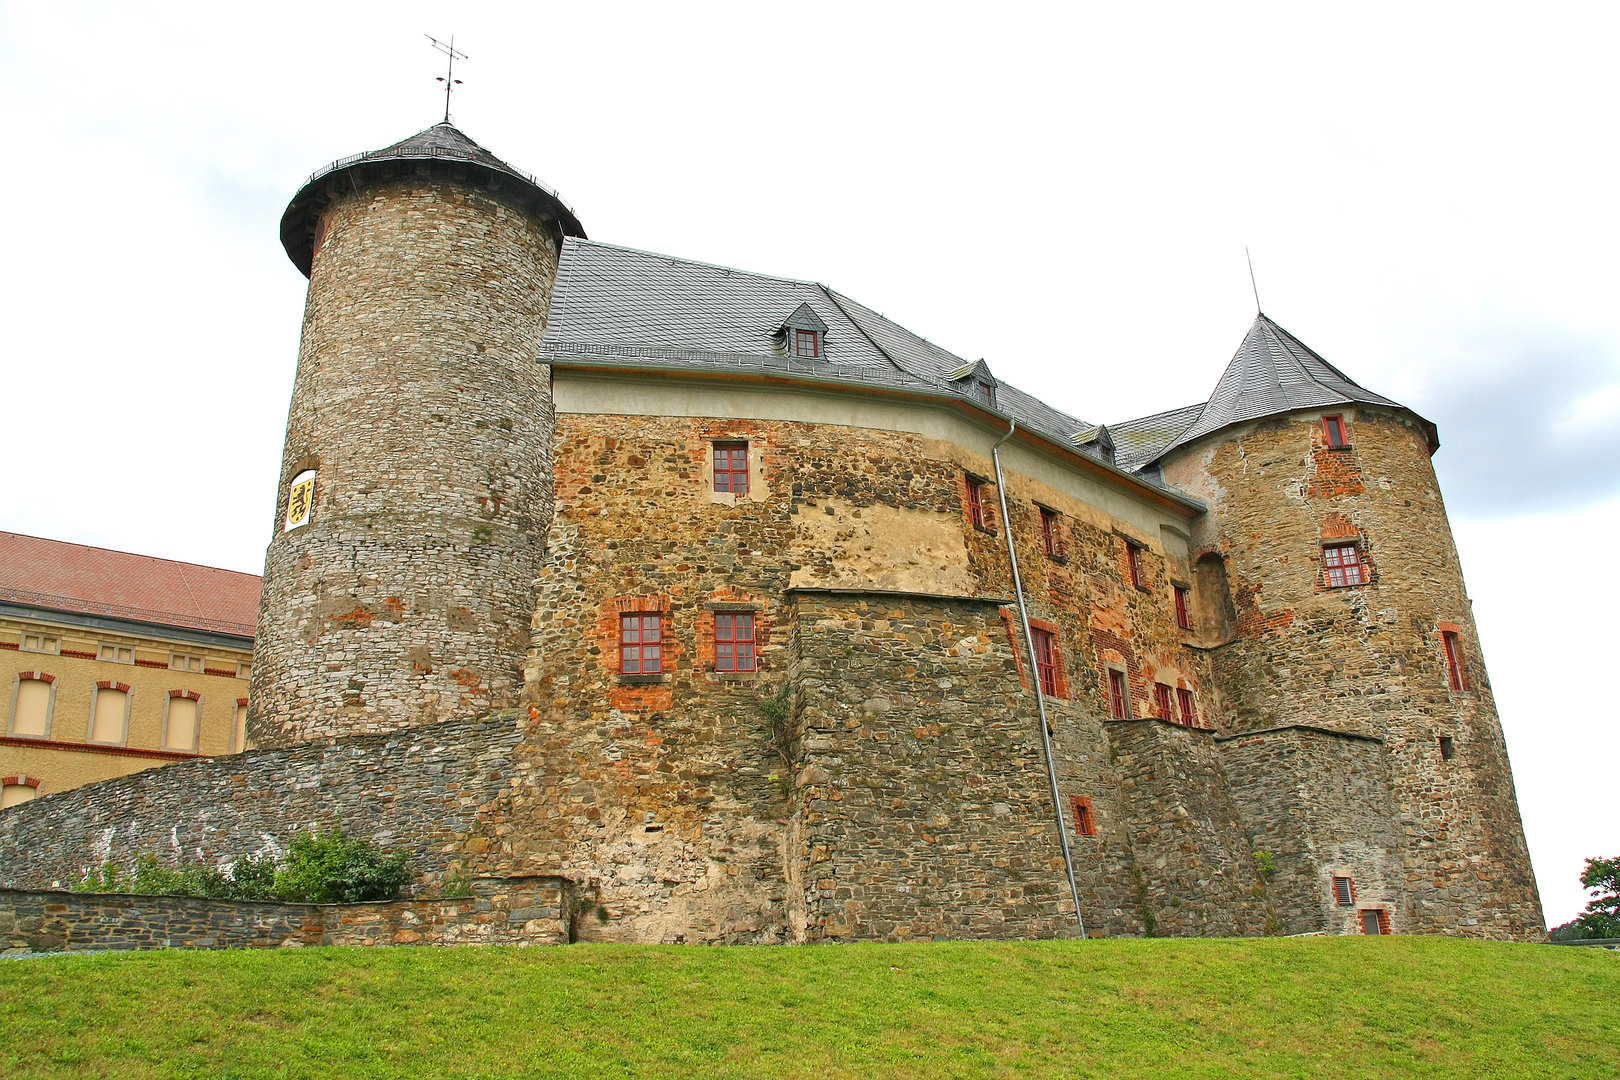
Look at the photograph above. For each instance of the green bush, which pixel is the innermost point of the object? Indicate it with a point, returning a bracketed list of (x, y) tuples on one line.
[(321, 868)]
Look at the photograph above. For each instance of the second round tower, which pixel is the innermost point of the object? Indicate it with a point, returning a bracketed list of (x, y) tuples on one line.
[(416, 478)]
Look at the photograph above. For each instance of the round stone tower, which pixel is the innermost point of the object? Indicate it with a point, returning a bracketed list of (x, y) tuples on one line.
[(1329, 587), (415, 485)]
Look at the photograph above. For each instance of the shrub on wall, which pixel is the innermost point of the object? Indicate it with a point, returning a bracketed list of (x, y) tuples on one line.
[(320, 868)]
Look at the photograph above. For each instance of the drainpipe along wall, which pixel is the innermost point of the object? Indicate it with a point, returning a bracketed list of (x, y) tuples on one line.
[(1035, 673)]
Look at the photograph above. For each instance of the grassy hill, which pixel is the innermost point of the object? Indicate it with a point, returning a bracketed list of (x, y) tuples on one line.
[(1313, 1007)]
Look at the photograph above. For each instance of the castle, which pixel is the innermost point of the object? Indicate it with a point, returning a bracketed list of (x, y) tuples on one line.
[(741, 614)]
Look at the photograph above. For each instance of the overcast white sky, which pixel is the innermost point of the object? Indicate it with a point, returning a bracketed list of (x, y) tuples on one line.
[(1066, 190)]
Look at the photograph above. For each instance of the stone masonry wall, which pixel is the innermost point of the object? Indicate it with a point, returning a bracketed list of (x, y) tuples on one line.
[(407, 598), (1320, 804), (520, 912), (1199, 877), (1367, 658), (419, 791), (926, 809)]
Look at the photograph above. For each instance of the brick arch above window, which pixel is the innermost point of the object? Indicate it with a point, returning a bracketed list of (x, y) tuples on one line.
[(109, 684), (189, 695), (20, 780), (37, 676)]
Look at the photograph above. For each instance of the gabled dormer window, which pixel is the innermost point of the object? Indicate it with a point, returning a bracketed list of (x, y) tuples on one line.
[(1097, 442), (803, 336), (976, 382)]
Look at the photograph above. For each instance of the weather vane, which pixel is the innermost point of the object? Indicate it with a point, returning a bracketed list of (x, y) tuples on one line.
[(449, 77)]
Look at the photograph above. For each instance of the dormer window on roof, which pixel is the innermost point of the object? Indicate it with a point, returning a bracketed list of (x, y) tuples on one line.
[(976, 382), (803, 335), (1097, 442)]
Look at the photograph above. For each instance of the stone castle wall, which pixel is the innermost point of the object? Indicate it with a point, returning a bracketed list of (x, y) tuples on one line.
[(421, 792), (1367, 659), (522, 912), (1319, 803), (407, 598)]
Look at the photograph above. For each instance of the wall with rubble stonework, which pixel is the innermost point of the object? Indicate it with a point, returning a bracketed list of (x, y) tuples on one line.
[(1319, 803), (1368, 658), (406, 599), (420, 792), (520, 912)]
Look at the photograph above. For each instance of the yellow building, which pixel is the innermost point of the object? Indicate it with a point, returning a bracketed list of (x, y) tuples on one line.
[(111, 663)]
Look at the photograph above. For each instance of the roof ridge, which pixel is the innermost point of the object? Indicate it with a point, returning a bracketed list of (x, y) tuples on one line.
[(131, 554), (698, 262)]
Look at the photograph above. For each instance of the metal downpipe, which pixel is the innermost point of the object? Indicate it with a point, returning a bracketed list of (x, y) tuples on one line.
[(1035, 678)]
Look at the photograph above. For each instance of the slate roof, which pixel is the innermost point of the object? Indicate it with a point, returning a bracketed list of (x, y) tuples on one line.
[(61, 576), (441, 142), (1273, 372), (621, 305)]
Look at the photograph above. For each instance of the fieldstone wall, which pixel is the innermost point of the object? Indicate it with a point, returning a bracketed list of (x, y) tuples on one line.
[(1197, 873), (926, 806), (419, 791), (1319, 803), (407, 598), (532, 911), (1367, 659)]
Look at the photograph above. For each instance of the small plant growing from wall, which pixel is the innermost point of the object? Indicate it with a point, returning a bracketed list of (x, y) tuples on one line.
[(1267, 865), (320, 868), (778, 713)]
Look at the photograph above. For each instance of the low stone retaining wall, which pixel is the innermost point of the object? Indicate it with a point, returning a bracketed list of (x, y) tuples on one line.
[(501, 911)]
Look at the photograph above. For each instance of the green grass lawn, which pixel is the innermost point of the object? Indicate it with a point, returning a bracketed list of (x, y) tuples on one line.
[(1327, 1007)]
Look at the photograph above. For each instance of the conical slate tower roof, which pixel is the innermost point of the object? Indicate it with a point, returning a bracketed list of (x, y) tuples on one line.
[(1273, 373), (442, 143)]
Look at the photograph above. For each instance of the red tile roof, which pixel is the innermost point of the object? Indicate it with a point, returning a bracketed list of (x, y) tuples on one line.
[(96, 581)]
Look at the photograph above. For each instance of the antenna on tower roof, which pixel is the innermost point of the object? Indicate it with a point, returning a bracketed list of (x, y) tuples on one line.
[(1252, 285), (449, 77)]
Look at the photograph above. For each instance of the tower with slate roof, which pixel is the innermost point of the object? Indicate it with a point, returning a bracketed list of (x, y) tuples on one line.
[(1360, 735), (415, 487)]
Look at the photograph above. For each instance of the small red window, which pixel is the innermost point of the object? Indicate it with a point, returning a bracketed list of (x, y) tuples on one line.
[(975, 501), (1333, 428), (1189, 708), (1343, 565), (734, 641), (1344, 892), (1183, 618), (731, 467), (806, 343), (1456, 674), (1374, 921), (1049, 531), (1085, 821), (1048, 661), (1133, 555), (1116, 694), (1163, 693), (641, 650)]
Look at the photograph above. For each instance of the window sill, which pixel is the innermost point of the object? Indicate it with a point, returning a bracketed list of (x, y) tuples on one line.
[(643, 680), (985, 530), (745, 677), (1346, 446)]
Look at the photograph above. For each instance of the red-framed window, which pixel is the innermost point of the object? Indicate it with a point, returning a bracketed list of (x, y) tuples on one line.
[(806, 343), (1344, 892), (1085, 818), (731, 467), (975, 502), (1049, 531), (1116, 694), (1456, 674), (1048, 661), (1162, 692), (641, 648), (1374, 921), (1183, 614), (1333, 431), (1343, 565), (734, 641), (1133, 556), (1189, 707)]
